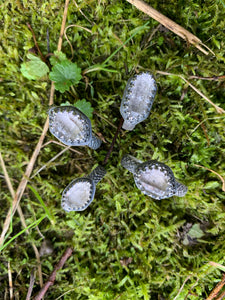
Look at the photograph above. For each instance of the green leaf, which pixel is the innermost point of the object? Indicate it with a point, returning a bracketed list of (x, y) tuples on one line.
[(65, 74), (195, 231), (85, 107), (35, 68), (58, 57)]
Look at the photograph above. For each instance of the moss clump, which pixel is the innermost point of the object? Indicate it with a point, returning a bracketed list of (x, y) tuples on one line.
[(126, 246)]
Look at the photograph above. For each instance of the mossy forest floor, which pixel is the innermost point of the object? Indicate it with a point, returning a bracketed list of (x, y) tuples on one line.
[(125, 244)]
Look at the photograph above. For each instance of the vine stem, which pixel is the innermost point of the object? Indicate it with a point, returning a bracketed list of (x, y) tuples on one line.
[(113, 142)]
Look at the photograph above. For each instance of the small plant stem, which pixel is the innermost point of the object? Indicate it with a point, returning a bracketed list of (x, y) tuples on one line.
[(36, 43), (52, 277), (217, 289), (113, 142)]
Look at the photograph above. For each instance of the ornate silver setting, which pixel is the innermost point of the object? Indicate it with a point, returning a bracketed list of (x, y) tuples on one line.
[(137, 100), (79, 194), (73, 128), (154, 178)]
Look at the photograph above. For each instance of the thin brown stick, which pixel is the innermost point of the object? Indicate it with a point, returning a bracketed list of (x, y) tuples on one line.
[(113, 142), (220, 177), (22, 219), (63, 25), (171, 25), (52, 277), (82, 13), (23, 183), (51, 160), (214, 78), (221, 296), (62, 145), (35, 42), (217, 289), (218, 109), (181, 288), (66, 37)]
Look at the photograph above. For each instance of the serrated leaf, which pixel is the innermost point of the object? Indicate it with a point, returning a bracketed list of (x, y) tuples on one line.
[(58, 57), (35, 68), (85, 107), (65, 74)]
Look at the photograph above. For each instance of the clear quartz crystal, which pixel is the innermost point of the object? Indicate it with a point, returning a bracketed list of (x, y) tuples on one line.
[(153, 178), (79, 194), (73, 128), (137, 99)]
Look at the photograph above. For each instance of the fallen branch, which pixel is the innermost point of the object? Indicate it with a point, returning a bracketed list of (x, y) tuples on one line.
[(52, 277), (171, 25)]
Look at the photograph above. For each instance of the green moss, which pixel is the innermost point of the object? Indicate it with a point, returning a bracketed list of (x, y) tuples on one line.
[(126, 245)]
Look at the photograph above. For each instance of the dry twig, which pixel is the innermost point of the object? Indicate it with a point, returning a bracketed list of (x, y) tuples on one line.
[(181, 288), (218, 109), (66, 37), (171, 25), (52, 277), (217, 289), (220, 177)]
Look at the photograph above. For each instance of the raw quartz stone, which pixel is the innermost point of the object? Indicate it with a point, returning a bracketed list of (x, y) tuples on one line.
[(79, 194), (153, 178), (137, 99), (73, 128)]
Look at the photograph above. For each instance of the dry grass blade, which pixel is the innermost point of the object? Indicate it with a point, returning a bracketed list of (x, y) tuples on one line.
[(180, 290), (23, 183), (51, 160), (10, 281), (220, 177), (31, 285), (218, 109), (78, 26), (171, 25), (22, 219)]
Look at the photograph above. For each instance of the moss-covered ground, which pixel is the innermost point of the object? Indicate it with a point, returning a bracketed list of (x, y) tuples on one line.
[(126, 245)]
